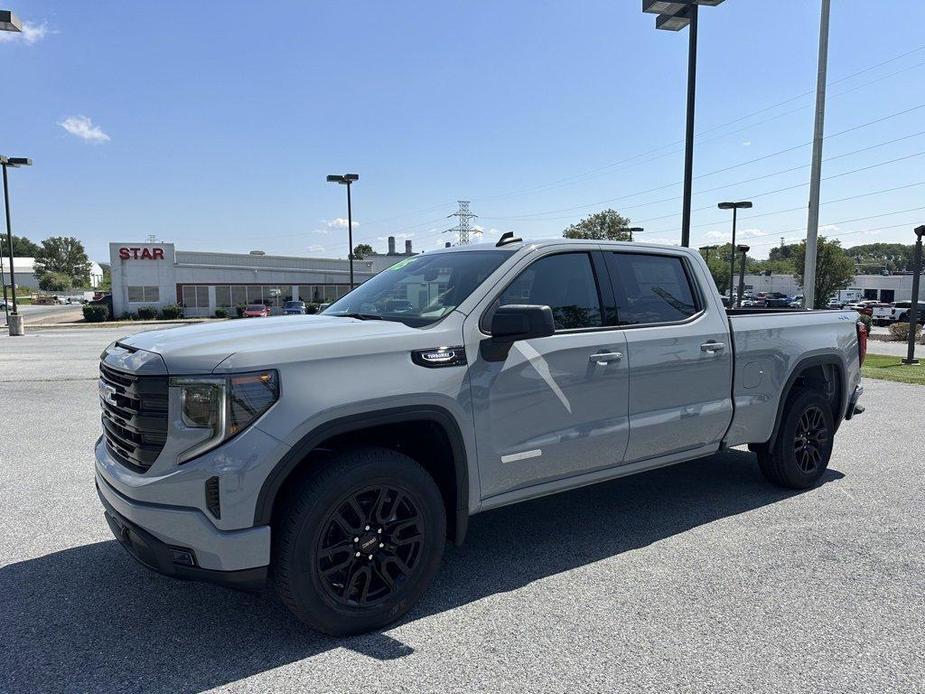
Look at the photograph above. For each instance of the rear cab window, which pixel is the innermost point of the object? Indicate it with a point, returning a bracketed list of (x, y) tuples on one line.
[(651, 288)]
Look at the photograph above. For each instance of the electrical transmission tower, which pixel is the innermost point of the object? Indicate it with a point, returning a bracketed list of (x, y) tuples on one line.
[(463, 229)]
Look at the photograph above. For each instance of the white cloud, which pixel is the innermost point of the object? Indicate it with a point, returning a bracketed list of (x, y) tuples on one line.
[(82, 127), (828, 228), (716, 235), (665, 242), (747, 143), (31, 33), (319, 231), (750, 233), (339, 223), (314, 249)]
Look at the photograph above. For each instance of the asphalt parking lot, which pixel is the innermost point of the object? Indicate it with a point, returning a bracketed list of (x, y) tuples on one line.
[(699, 577)]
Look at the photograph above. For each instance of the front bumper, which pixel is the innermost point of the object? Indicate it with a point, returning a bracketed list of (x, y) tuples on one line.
[(161, 526), (170, 560)]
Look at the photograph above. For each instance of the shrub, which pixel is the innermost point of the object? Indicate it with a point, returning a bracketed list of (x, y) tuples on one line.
[(95, 313), (221, 313), (171, 312), (239, 309), (128, 316), (900, 331), (311, 308), (147, 313)]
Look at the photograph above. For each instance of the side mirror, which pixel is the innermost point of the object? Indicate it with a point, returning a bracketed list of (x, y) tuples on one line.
[(521, 322)]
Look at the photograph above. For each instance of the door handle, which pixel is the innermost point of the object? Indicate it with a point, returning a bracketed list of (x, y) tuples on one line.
[(604, 358), (712, 347)]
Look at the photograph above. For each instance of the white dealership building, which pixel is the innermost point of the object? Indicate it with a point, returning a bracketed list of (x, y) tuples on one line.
[(158, 274)]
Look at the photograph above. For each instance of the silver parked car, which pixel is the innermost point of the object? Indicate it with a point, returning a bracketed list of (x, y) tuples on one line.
[(337, 453)]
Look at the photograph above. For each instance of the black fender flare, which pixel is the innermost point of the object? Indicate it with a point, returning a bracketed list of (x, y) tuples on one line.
[(795, 373), (269, 490)]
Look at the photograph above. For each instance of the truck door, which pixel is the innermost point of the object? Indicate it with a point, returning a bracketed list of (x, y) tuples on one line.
[(556, 406), (680, 356)]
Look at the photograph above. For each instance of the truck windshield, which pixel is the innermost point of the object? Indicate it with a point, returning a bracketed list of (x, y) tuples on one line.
[(419, 290)]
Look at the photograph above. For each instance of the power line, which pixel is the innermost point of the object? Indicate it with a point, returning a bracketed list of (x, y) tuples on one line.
[(532, 216), (698, 138)]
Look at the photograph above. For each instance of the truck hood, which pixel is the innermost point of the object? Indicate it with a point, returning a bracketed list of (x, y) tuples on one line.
[(197, 349)]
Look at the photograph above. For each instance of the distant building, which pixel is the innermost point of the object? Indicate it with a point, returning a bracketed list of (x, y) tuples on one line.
[(885, 288), (157, 274), (25, 272)]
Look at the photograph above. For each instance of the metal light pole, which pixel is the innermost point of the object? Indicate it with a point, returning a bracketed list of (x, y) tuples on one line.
[(674, 15), (735, 207), (914, 307), (743, 249), (634, 230), (347, 180), (6, 306), (812, 224), (14, 320)]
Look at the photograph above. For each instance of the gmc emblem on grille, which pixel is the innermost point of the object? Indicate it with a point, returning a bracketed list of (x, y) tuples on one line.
[(107, 392)]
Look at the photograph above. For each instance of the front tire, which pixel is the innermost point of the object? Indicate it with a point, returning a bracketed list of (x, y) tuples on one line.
[(359, 542), (804, 443)]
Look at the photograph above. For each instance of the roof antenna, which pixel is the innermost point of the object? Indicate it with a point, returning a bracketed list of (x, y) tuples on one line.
[(506, 238)]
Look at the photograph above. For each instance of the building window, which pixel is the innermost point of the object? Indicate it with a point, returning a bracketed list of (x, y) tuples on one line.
[(195, 296), (141, 295), (223, 297)]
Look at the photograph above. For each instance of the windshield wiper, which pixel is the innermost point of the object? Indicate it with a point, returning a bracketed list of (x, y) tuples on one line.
[(358, 316)]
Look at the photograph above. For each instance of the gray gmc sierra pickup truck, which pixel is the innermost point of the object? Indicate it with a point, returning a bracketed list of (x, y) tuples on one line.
[(333, 455)]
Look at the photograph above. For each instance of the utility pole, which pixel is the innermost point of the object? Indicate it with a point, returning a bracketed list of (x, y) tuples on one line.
[(812, 225)]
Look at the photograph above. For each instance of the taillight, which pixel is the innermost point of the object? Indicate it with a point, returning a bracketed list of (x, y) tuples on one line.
[(862, 341)]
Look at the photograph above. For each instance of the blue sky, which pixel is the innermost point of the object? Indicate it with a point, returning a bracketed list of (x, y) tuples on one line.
[(213, 125)]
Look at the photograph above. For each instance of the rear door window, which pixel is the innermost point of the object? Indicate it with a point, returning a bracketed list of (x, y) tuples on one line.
[(651, 288)]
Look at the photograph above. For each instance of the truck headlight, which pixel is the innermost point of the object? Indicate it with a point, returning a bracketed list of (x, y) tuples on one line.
[(224, 405)]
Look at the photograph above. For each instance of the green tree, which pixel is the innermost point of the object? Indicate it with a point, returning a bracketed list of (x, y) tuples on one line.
[(834, 269), (875, 258), (54, 282), (608, 225), (65, 255), (718, 261), (361, 250), (22, 247)]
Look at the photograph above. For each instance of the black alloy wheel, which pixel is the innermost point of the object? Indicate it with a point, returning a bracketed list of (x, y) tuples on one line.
[(810, 439), (800, 454), (357, 540), (371, 544)]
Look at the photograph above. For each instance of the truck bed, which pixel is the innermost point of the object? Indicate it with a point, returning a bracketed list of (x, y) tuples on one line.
[(769, 344)]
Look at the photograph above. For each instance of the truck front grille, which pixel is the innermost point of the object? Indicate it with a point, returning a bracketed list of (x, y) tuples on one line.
[(134, 416)]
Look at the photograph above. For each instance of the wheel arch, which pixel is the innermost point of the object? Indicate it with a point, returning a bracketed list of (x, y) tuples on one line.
[(436, 425), (826, 369)]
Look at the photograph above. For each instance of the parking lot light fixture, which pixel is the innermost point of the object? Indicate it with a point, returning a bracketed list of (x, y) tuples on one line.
[(735, 207), (914, 306), (347, 180), (9, 21), (634, 230), (743, 249), (674, 15), (14, 321)]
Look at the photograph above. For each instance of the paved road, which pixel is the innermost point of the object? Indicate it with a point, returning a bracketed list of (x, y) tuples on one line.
[(698, 577), (46, 312)]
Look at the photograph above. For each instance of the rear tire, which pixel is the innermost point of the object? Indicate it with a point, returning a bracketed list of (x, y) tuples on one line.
[(804, 443), (359, 542)]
